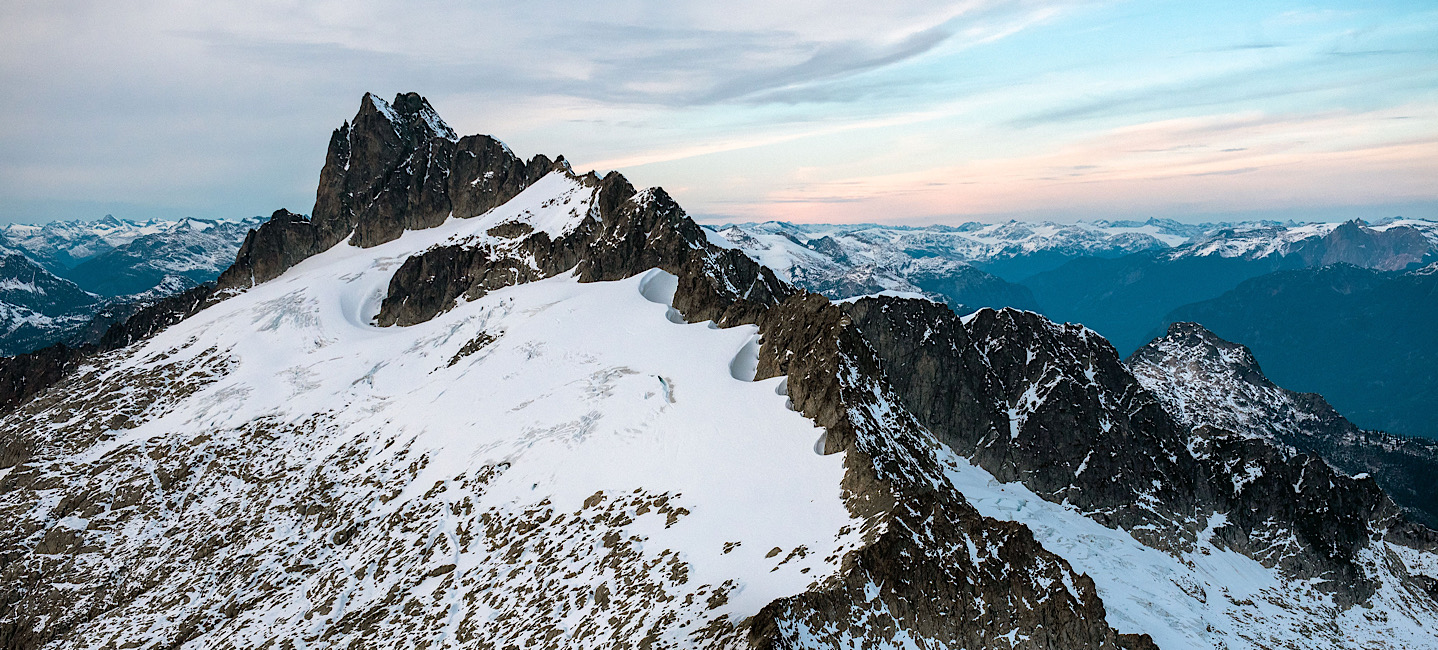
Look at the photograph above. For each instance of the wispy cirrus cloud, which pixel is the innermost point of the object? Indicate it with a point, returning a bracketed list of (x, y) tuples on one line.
[(1189, 163), (740, 109)]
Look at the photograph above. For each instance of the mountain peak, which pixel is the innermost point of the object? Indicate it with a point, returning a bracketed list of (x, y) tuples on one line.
[(552, 396), (408, 111), (1188, 347), (394, 167), (1206, 381)]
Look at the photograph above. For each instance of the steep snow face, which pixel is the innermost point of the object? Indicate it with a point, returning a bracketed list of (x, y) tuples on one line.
[(1212, 597), (553, 464)]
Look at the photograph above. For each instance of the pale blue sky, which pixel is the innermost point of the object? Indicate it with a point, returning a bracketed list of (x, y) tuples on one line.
[(806, 111)]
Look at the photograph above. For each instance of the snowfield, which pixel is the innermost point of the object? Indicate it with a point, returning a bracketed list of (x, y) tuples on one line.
[(552, 464), (1210, 597), (550, 449)]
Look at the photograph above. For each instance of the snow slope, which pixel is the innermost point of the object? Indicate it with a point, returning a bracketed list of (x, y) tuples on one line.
[(1211, 597), (565, 464), (506, 472)]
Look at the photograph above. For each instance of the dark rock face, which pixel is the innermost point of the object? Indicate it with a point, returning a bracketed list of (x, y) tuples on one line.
[(1205, 380), (1271, 494), (485, 174), (426, 285), (902, 582), (283, 241), (1052, 406), (1049, 405), (625, 234), (393, 168), (385, 172), (650, 230), (1070, 399)]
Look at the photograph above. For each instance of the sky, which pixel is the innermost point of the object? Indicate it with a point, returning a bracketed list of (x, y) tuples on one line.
[(893, 112)]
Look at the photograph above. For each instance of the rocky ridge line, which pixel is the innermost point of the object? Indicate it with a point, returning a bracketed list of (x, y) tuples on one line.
[(1053, 407), (1204, 380), (892, 478)]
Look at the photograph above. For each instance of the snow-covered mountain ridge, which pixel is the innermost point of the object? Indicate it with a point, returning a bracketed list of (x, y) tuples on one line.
[(69, 280), (61, 245), (552, 412), (977, 243), (960, 265)]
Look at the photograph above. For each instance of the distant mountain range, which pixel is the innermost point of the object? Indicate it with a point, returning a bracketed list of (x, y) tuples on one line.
[(478, 401), (57, 277), (1338, 309), (1129, 280)]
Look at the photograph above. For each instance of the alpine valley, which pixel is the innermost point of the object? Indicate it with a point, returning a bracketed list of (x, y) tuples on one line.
[(477, 401), (70, 281)]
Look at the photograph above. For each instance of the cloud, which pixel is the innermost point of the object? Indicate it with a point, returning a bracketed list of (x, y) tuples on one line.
[(225, 108), (1168, 167)]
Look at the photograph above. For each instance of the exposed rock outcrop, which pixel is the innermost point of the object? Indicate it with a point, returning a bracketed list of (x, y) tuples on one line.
[(904, 389), (1204, 380), (624, 233), (1053, 407), (934, 569), (394, 167), (1049, 405), (283, 241)]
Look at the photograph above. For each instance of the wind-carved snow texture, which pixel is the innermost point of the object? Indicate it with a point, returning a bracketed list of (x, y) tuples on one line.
[(554, 464), (1212, 597)]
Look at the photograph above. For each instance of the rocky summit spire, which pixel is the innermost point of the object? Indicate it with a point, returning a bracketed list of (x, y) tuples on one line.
[(394, 167)]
